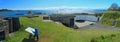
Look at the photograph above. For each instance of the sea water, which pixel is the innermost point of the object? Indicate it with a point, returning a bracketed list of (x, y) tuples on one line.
[(19, 13)]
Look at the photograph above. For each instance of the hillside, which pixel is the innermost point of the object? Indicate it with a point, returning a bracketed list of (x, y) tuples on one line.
[(109, 18), (52, 32)]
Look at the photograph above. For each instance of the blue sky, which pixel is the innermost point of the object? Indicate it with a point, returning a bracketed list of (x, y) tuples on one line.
[(37, 4)]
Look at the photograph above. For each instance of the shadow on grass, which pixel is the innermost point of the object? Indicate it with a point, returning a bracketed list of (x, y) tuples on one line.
[(28, 40)]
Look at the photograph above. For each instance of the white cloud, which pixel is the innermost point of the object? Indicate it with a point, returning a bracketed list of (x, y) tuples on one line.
[(70, 7)]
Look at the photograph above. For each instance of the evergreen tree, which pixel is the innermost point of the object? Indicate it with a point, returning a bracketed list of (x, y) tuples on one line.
[(113, 7), (119, 9)]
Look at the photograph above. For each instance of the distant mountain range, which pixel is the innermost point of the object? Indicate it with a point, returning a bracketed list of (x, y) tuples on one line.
[(3, 10)]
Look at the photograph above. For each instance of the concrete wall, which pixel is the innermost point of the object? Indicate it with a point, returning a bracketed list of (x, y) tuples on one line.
[(70, 19), (64, 19), (4, 29), (14, 24), (8, 25), (87, 18)]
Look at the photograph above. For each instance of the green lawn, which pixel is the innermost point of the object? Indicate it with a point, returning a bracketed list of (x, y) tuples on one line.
[(52, 32), (107, 20), (109, 17)]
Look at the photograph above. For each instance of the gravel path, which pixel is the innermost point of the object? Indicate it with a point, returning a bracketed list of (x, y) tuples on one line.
[(98, 26)]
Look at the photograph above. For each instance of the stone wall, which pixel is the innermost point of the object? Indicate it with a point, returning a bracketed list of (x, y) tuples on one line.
[(4, 29), (14, 24)]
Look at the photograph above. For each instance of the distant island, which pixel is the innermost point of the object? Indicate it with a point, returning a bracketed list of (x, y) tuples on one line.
[(4, 10)]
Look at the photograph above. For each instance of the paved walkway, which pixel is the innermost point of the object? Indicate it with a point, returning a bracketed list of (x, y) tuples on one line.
[(98, 26)]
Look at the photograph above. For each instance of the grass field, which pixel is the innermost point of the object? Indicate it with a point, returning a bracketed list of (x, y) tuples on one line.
[(109, 17), (52, 32)]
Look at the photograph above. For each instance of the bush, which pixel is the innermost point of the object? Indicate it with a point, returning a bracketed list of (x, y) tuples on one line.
[(113, 35), (102, 37), (93, 40)]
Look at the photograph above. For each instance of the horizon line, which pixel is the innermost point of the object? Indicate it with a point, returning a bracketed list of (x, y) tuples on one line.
[(55, 8)]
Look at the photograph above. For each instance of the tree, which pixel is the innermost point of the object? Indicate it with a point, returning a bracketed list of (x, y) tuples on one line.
[(119, 9), (113, 7)]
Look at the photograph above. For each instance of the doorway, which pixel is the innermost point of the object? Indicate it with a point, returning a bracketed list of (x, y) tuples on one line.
[(2, 35)]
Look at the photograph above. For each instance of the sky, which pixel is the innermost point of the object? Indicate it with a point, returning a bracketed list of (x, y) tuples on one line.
[(46, 4)]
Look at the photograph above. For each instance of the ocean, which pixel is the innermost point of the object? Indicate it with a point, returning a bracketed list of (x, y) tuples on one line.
[(19, 13)]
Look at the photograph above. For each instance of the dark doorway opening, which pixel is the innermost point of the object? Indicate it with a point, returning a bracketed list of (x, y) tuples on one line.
[(80, 21), (72, 22), (45, 18), (2, 35), (16, 24)]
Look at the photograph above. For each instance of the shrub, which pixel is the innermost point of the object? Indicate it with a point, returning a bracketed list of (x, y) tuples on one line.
[(93, 40)]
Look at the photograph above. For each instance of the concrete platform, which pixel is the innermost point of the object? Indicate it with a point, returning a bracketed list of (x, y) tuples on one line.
[(82, 24)]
